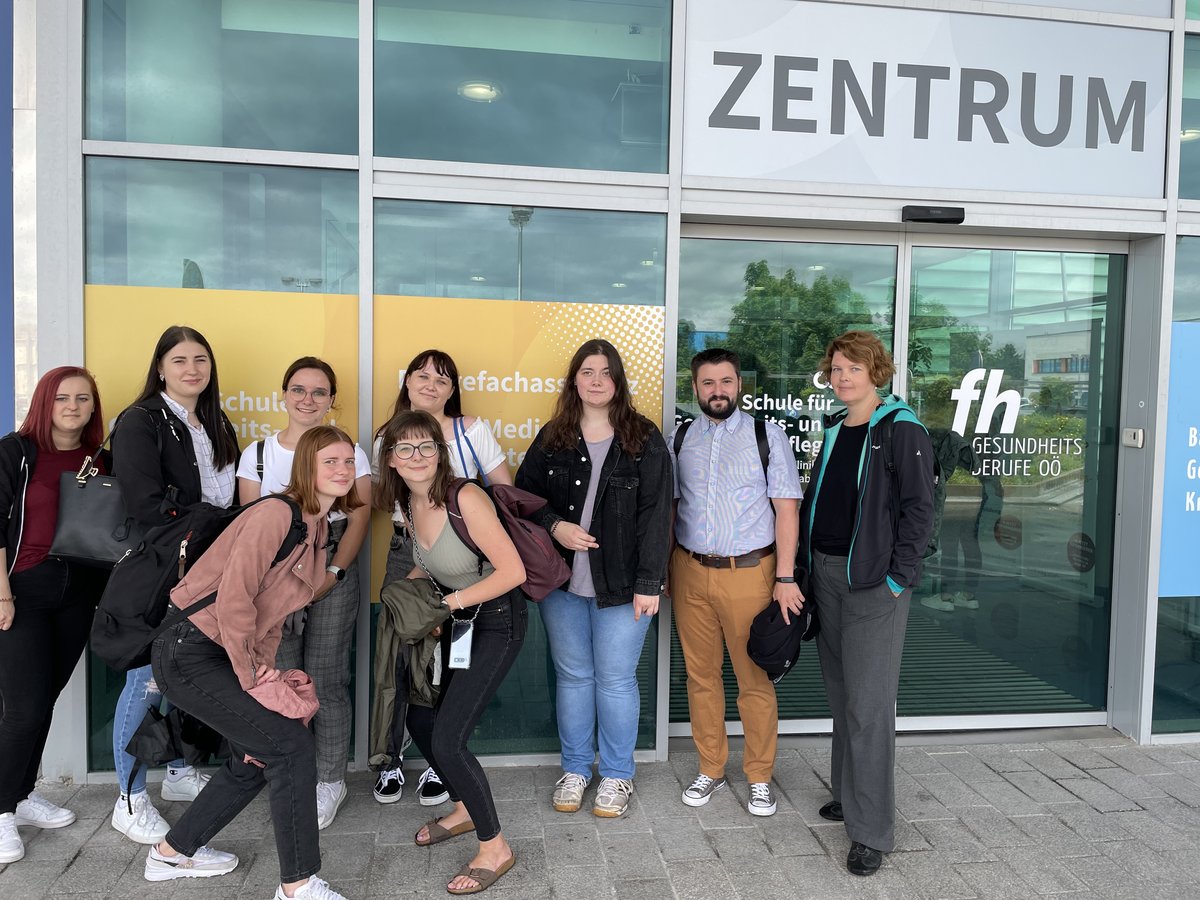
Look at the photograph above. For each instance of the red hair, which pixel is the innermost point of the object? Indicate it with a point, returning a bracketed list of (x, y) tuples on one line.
[(39, 423)]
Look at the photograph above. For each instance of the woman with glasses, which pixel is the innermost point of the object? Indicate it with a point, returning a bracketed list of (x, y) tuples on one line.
[(318, 641), (431, 385), (485, 600)]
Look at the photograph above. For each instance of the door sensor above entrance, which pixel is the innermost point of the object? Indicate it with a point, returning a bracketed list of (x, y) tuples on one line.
[(935, 215)]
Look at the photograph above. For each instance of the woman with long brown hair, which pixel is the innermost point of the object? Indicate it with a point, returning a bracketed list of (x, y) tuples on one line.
[(605, 473)]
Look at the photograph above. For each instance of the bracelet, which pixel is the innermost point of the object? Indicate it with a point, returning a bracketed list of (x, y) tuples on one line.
[(784, 580), (458, 594), (12, 600), (557, 522)]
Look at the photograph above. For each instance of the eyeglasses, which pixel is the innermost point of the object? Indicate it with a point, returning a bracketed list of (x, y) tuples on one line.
[(299, 393), (405, 451)]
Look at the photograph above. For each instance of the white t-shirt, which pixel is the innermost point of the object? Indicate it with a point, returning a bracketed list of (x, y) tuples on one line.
[(481, 439), (277, 467)]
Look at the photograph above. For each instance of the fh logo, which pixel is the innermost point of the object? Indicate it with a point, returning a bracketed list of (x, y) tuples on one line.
[(967, 392)]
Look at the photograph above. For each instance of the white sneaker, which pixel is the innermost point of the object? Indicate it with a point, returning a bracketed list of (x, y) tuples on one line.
[(612, 798), (186, 787), (143, 825), (37, 810), (568, 792), (204, 863), (316, 889), (11, 846), (330, 797)]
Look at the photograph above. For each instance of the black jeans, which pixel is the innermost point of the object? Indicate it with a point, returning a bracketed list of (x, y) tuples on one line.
[(195, 674), (55, 605), (499, 634)]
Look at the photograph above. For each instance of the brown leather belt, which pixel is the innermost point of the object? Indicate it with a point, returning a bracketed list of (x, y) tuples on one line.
[(745, 561)]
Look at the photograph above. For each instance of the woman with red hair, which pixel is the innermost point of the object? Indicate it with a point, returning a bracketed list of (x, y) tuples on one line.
[(46, 604)]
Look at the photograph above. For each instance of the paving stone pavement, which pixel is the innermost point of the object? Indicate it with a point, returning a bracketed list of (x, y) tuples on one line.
[(1093, 817)]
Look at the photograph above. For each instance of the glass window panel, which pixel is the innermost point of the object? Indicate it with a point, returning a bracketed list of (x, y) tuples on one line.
[(180, 224), (778, 305), (518, 253), (1177, 654), (531, 83), (265, 74), (1014, 363), (1189, 136)]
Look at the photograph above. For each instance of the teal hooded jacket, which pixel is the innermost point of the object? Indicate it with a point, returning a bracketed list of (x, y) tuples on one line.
[(893, 520)]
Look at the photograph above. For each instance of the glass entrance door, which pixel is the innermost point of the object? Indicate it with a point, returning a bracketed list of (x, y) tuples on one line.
[(1011, 358), (1013, 365)]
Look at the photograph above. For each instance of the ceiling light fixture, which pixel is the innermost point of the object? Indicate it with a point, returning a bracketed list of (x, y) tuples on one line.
[(479, 91), (1189, 134), (816, 268), (618, 284), (647, 262), (478, 278)]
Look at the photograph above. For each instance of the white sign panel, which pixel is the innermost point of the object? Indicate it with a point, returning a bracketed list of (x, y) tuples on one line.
[(832, 92)]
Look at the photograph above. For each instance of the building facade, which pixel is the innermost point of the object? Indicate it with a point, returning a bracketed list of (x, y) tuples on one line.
[(1008, 193)]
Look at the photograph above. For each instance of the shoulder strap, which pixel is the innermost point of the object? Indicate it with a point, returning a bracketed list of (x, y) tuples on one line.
[(679, 435), (764, 446), (260, 452), (883, 431), (475, 456), (457, 522)]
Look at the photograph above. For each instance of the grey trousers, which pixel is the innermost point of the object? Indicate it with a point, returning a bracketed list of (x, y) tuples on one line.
[(859, 645), (323, 651)]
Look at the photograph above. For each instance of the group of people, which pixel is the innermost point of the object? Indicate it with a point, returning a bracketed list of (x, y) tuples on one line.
[(718, 508)]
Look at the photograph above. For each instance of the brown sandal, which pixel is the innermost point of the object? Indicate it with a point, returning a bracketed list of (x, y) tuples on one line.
[(438, 833), (485, 877)]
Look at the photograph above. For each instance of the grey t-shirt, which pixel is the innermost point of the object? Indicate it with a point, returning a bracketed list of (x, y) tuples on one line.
[(581, 567)]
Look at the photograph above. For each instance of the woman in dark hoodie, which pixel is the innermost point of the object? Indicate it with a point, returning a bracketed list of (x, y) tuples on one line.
[(864, 524)]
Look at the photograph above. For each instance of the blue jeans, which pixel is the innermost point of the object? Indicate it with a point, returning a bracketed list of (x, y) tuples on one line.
[(595, 652), (136, 697)]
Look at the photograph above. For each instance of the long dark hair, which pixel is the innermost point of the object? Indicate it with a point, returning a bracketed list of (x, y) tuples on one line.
[(390, 488), (562, 431), (208, 404)]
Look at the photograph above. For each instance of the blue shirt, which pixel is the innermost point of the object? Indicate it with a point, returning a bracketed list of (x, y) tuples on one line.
[(724, 502)]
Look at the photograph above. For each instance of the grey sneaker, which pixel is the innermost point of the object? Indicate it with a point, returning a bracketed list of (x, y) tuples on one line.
[(568, 792), (701, 790), (762, 801), (612, 798)]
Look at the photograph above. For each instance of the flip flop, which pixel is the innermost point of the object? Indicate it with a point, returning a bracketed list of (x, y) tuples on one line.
[(438, 833), (485, 877)]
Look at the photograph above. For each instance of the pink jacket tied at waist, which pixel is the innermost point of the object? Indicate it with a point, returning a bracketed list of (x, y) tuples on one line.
[(293, 694)]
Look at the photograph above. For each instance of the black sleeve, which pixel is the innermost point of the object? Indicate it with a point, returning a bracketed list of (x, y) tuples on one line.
[(655, 497), (137, 462), (914, 491), (531, 476), (10, 479)]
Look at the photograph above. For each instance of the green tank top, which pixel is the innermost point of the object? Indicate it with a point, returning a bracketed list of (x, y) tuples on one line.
[(451, 562)]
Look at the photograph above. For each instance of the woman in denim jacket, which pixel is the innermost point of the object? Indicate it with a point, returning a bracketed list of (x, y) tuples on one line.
[(606, 475)]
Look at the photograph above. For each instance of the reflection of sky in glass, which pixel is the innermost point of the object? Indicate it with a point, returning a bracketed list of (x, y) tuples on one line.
[(244, 227), (1187, 280), (565, 101), (712, 273), (279, 80), (471, 251)]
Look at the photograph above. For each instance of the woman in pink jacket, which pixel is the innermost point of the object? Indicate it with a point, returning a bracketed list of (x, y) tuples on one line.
[(209, 662)]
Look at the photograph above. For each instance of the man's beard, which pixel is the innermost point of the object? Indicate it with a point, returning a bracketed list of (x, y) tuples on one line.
[(719, 415)]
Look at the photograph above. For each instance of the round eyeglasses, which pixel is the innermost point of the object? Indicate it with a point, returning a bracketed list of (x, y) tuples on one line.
[(405, 451)]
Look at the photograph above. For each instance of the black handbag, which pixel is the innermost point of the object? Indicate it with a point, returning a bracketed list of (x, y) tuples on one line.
[(93, 528)]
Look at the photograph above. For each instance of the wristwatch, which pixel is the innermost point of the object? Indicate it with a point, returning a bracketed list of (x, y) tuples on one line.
[(783, 580), (337, 573)]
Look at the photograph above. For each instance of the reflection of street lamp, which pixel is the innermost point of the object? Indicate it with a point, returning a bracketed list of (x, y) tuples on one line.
[(302, 283), (520, 217)]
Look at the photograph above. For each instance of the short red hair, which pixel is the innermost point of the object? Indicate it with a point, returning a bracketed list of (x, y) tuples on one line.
[(39, 423), (864, 348)]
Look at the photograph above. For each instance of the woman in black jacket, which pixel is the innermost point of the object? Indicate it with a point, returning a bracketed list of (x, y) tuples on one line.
[(606, 475), (865, 521), (173, 448), (46, 604)]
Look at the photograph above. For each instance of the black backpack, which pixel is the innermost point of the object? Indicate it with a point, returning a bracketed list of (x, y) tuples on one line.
[(133, 608), (883, 431)]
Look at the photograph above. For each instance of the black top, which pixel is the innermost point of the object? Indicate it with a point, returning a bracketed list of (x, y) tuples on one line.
[(833, 525)]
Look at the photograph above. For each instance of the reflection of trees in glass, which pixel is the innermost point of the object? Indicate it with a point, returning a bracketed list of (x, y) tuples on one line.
[(782, 326), (1055, 395)]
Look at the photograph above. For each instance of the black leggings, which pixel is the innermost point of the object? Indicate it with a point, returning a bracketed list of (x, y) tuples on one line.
[(54, 609), (441, 734)]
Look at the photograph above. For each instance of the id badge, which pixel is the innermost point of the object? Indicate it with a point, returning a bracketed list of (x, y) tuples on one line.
[(461, 634)]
